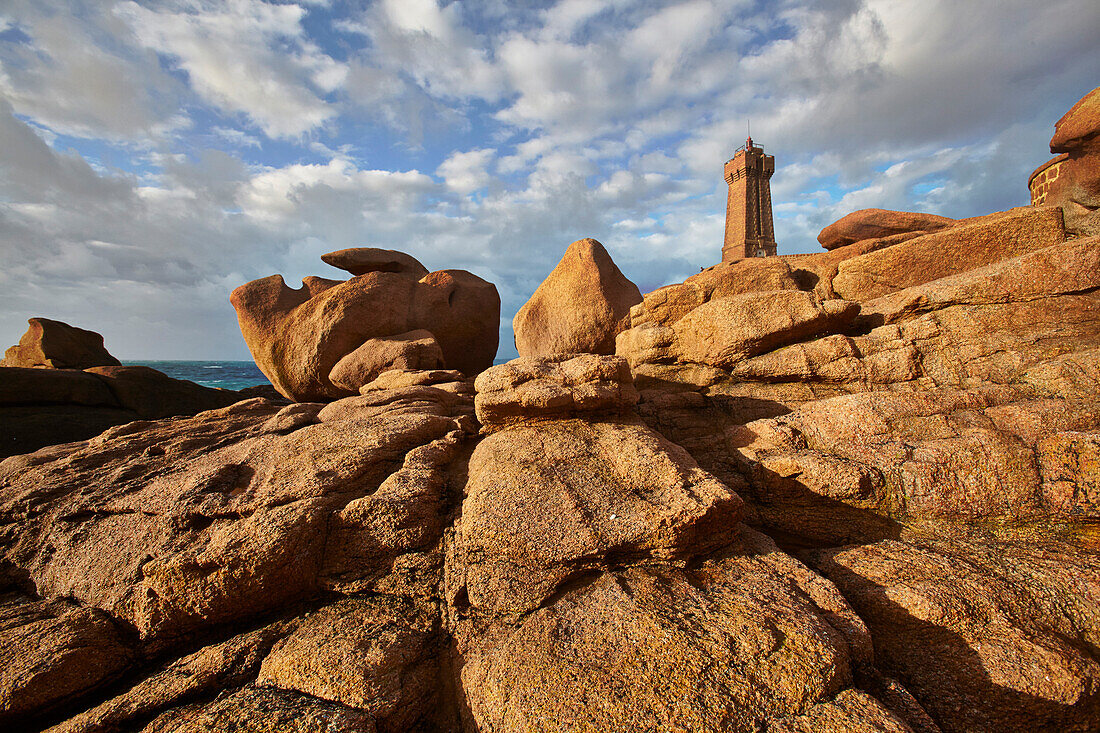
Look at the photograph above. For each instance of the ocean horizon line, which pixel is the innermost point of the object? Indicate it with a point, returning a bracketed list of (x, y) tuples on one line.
[(234, 374)]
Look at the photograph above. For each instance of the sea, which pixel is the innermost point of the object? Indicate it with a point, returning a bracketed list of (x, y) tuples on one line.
[(224, 374)]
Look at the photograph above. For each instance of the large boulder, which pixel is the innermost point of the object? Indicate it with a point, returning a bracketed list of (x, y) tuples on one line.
[(412, 350), (664, 306), (54, 650), (984, 635), (745, 640), (310, 342), (1079, 126), (876, 223), (725, 331), (361, 260), (949, 252), (554, 387), (1077, 186), (549, 502), (57, 345), (579, 308)]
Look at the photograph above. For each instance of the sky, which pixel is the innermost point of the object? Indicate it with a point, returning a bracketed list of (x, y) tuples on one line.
[(155, 155)]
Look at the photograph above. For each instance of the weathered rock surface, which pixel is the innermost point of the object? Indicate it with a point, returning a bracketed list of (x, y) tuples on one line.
[(747, 637), (171, 547), (40, 407), (669, 304), (579, 308), (581, 542), (52, 651), (549, 502), (374, 654), (877, 223), (361, 260), (299, 337), (57, 345), (948, 252), (213, 668), (263, 710), (724, 331), (1079, 126), (984, 636), (175, 529), (1077, 186), (556, 387), (412, 350)]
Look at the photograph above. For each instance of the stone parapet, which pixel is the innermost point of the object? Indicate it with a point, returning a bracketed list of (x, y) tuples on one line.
[(1039, 182)]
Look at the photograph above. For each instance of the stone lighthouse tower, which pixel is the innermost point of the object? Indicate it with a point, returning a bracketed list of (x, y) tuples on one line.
[(749, 230)]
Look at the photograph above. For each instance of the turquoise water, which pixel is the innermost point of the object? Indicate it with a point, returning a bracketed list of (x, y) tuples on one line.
[(224, 374)]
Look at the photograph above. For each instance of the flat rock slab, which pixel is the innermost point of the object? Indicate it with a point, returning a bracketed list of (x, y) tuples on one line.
[(948, 252), (876, 223), (361, 260)]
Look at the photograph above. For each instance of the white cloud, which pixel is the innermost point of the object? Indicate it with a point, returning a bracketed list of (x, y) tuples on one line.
[(432, 45), (239, 138), (466, 172), (245, 56), (70, 81), (280, 194)]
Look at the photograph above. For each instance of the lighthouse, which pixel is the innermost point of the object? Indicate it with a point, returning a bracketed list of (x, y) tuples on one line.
[(749, 230)]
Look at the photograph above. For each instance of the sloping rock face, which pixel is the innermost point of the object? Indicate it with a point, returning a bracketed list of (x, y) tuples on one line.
[(1077, 188), (949, 252), (775, 509), (986, 636), (933, 454), (283, 542), (326, 339), (598, 579), (878, 223), (57, 345), (579, 308), (40, 407), (368, 565)]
